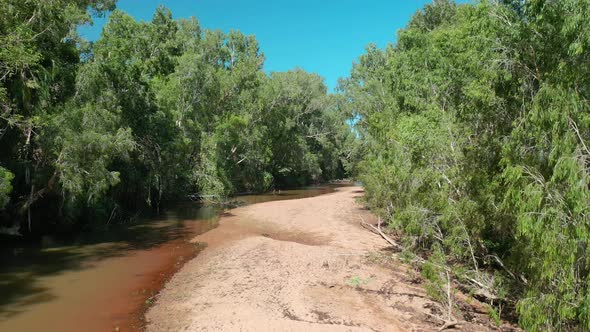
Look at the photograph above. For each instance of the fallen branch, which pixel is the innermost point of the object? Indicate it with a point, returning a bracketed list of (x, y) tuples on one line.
[(449, 298), (383, 235), (512, 274), (447, 324), (483, 289), (371, 229)]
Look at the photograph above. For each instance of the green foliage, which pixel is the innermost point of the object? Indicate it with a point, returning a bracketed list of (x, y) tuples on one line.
[(475, 134), (357, 281), (38, 61), (435, 275), (495, 315), (87, 140), (5, 186), (150, 111), (547, 177)]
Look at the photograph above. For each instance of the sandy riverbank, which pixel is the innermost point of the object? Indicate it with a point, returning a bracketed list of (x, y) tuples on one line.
[(296, 265)]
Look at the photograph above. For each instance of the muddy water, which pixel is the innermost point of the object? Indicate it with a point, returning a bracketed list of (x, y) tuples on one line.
[(104, 281)]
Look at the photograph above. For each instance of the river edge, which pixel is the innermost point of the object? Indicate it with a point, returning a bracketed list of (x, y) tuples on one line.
[(138, 322), (301, 265), (108, 284), (279, 266)]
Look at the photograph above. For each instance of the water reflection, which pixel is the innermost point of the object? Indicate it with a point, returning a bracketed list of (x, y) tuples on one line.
[(65, 277)]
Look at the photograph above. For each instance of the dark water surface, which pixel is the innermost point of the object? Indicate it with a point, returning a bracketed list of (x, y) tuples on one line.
[(102, 281)]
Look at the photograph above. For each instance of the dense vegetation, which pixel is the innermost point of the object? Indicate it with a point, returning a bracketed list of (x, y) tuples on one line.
[(471, 137), (150, 111), (476, 128)]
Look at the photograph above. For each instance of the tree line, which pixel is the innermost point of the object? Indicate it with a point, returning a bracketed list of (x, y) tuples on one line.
[(150, 111), (471, 134), (475, 134)]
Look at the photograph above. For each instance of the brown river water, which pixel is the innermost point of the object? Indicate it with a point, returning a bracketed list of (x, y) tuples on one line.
[(105, 281)]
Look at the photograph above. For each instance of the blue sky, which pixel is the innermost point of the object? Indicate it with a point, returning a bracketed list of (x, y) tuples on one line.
[(321, 36)]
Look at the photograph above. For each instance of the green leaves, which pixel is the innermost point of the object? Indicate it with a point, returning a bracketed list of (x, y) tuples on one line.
[(5, 186), (88, 141), (548, 194), (202, 94), (476, 133), (38, 62), (305, 129), (150, 111)]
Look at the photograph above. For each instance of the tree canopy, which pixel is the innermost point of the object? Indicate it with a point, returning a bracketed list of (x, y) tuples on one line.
[(475, 126), (470, 134), (150, 111)]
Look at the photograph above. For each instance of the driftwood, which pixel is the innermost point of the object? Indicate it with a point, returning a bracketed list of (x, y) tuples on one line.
[(483, 290), (447, 323), (378, 231)]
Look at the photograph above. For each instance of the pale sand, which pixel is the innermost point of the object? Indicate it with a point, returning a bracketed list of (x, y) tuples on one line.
[(295, 265)]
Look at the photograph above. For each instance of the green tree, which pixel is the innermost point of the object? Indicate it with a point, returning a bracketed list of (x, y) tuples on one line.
[(5, 187), (38, 59), (150, 111), (475, 131)]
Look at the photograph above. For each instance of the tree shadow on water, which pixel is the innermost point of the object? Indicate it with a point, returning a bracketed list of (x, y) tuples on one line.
[(23, 269)]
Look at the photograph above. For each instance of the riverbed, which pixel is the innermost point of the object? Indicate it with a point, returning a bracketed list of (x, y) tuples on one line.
[(105, 281)]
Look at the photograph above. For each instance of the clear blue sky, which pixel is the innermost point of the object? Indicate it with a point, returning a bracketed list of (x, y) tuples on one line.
[(321, 36)]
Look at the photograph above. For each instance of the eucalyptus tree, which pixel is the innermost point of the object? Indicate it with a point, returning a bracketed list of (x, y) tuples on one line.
[(213, 97), (124, 70)]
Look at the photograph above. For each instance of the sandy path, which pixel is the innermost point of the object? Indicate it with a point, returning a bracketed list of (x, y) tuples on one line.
[(296, 265)]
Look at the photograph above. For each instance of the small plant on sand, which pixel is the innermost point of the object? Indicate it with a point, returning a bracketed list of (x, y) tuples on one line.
[(495, 315), (357, 281)]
